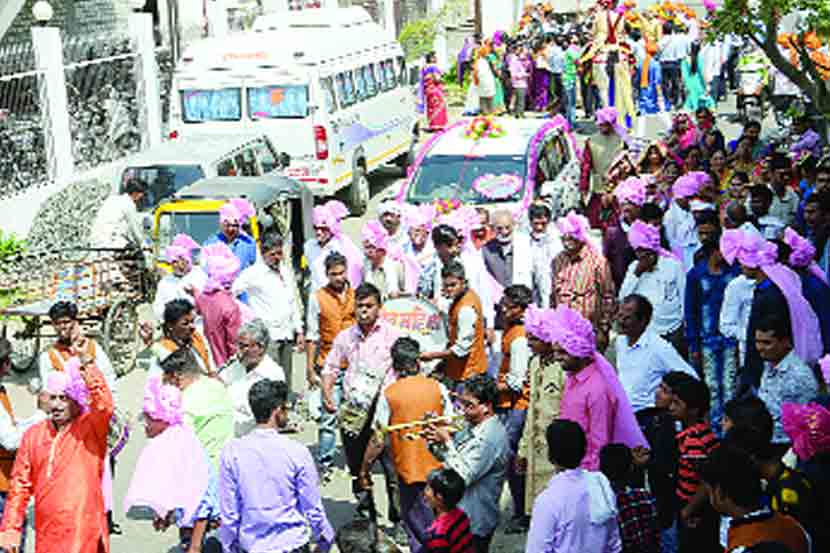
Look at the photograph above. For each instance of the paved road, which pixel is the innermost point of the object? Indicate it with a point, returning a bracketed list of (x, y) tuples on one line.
[(139, 537)]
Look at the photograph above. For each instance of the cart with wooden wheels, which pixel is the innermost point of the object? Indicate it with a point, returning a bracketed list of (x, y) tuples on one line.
[(107, 285)]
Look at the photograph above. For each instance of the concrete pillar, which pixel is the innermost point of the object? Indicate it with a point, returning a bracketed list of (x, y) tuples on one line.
[(48, 48), (147, 78), (389, 18), (440, 46), (217, 15)]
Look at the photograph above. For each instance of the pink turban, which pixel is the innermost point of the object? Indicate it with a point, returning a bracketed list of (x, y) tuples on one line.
[(610, 115), (329, 215), (710, 5), (574, 226), (749, 248), (808, 426), (802, 253), (374, 234), (540, 323), (824, 365), (180, 248), (575, 334), (162, 401), (237, 210), (689, 184), (643, 235), (465, 220), (69, 382), (420, 216), (222, 266), (632, 190)]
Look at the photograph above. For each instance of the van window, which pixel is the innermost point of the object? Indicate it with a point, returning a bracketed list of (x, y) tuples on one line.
[(369, 76), (402, 71), (211, 105), (266, 157), (346, 89), (360, 84), (378, 70), (246, 163), (388, 75), (328, 94), (278, 102), (226, 168)]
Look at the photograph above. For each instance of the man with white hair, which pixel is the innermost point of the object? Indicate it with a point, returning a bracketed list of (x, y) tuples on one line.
[(389, 215), (251, 365)]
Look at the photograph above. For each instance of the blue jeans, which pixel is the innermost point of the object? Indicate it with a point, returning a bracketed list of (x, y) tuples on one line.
[(513, 421), (570, 102), (668, 539), (327, 428), (3, 496)]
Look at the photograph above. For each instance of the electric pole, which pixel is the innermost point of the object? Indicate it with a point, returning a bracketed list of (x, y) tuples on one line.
[(478, 16)]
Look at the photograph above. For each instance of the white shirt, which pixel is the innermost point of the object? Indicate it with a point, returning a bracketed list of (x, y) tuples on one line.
[(172, 288), (734, 312), (790, 381), (543, 249), (772, 228), (785, 208), (239, 382), (681, 232), (519, 360), (273, 298), (116, 224), (712, 55), (102, 361), (390, 277), (10, 433), (476, 273), (664, 287), (424, 256), (316, 257), (674, 47), (486, 79), (466, 332), (642, 366)]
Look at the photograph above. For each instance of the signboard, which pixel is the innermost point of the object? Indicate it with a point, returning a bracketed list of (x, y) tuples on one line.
[(417, 319)]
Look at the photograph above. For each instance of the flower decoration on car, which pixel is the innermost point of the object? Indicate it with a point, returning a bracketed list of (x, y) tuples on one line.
[(483, 127), (444, 207), (498, 187)]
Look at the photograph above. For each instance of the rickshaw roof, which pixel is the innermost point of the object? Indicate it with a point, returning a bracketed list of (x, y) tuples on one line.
[(193, 150), (260, 191)]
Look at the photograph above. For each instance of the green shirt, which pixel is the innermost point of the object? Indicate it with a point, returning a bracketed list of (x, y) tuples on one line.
[(209, 412), (569, 71)]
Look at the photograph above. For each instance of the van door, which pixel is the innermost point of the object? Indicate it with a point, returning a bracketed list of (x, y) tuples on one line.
[(345, 138)]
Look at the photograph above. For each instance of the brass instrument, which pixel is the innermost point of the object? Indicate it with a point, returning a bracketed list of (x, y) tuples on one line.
[(454, 423)]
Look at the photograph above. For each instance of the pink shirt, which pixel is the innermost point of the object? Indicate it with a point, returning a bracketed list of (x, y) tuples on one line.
[(222, 318), (369, 358), (588, 401)]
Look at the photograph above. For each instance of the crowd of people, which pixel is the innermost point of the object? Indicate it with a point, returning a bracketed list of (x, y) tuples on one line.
[(647, 373)]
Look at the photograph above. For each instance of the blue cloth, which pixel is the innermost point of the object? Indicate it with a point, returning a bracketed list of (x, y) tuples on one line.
[(818, 294), (209, 506), (648, 96), (327, 428), (704, 298), (244, 248)]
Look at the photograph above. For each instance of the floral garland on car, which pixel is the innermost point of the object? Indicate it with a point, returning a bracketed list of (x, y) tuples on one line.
[(484, 127), (498, 187)]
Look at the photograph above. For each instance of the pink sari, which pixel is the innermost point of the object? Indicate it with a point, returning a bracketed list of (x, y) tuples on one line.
[(436, 103)]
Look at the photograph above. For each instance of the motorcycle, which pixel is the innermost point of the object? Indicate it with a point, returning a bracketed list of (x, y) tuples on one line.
[(751, 94)]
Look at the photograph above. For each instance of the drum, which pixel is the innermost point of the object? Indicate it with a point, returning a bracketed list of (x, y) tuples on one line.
[(418, 319)]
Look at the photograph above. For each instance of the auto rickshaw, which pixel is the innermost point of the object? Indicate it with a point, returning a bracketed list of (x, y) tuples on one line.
[(282, 205)]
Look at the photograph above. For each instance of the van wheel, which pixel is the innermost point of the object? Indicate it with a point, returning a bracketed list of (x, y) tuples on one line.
[(358, 194)]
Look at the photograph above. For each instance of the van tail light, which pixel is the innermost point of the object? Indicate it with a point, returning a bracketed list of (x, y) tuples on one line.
[(173, 135), (321, 142)]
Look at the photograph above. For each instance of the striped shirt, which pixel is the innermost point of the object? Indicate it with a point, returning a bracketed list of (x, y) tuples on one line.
[(450, 533), (586, 285), (694, 444)]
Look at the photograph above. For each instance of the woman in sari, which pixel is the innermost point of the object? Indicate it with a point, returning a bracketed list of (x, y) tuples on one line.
[(432, 99), (541, 80), (692, 70), (495, 61)]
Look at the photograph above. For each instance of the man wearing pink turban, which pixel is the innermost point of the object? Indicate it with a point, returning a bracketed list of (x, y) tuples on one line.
[(419, 220), (679, 221), (800, 257), (329, 237), (593, 396), (386, 266), (631, 195), (582, 277), (60, 463), (233, 216), (184, 275), (599, 152), (777, 293), (220, 312), (659, 277)]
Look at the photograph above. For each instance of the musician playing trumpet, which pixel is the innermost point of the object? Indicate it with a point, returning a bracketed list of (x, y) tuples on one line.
[(412, 397)]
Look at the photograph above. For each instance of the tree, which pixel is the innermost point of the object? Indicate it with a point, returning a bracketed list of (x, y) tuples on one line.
[(417, 37), (760, 21)]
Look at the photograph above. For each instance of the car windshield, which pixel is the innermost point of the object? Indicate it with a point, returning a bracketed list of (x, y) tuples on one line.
[(163, 181), (278, 102), (224, 104), (452, 177)]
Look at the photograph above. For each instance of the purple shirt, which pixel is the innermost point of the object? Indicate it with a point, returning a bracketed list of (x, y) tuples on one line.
[(561, 520), (588, 401), (221, 318), (369, 357), (269, 494)]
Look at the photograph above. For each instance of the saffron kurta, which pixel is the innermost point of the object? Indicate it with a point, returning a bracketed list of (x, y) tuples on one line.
[(63, 470)]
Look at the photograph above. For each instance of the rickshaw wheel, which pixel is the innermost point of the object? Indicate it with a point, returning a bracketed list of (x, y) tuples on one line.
[(121, 338), (25, 346)]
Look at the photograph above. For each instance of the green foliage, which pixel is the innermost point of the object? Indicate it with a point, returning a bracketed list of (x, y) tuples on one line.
[(10, 245), (417, 37)]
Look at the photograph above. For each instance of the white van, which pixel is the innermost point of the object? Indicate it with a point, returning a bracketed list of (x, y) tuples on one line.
[(327, 85)]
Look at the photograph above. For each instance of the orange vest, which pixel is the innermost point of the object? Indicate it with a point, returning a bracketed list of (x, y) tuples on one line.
[(462, 368), (198, 344), (410, 399), (510, 399), (59, 354), (336, 315), (6, 456)]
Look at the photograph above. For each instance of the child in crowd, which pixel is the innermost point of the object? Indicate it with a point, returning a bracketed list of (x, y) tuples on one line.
[(450, 532), (697, 524), (636, 507)]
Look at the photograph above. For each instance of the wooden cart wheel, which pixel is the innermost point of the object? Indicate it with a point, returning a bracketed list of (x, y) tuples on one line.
[(25, 345), (121, 338)]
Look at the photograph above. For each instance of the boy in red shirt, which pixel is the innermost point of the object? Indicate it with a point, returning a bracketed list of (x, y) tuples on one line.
[(450, 532)]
